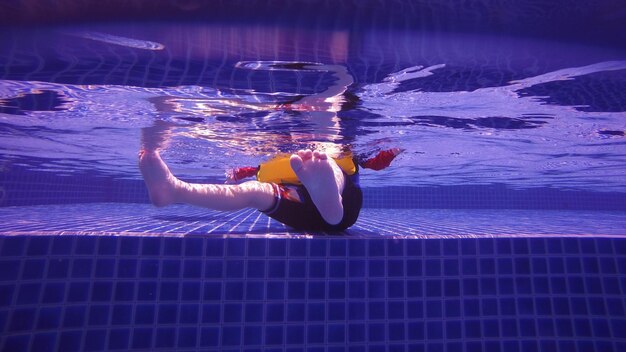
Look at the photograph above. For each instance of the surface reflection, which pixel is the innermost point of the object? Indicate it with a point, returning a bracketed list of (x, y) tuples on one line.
[(286, 119)]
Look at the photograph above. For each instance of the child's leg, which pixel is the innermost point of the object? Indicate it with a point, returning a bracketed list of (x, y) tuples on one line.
[(324, 180), (164, 188)]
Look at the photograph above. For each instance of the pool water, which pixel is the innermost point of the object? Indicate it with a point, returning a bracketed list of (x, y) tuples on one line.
[(484, 121), (500, 226)]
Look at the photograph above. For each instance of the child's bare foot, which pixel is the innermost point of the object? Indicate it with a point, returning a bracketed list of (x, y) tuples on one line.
[(319, 175), (158, 178)]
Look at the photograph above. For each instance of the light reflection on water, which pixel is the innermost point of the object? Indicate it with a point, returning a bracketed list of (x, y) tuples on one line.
[(490, 134)]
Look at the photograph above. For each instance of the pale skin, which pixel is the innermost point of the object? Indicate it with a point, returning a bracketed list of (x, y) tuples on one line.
[(319, 174)]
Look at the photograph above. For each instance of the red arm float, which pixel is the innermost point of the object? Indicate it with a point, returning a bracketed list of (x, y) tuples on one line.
[(381, 160), (239, 173)]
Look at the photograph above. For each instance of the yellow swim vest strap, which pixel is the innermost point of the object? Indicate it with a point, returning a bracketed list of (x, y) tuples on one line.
[(346, 163), (278, 169)]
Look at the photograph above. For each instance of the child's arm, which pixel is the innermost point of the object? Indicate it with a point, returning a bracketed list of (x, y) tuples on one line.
[(381, 160)]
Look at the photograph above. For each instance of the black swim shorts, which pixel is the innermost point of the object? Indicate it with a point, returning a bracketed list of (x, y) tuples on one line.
[(294, 207)]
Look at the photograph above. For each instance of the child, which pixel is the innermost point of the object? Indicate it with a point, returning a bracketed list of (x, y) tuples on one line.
[(314, 193), (307, 190)]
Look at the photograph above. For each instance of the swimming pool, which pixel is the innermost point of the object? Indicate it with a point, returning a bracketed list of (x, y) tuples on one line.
[(499, 227)]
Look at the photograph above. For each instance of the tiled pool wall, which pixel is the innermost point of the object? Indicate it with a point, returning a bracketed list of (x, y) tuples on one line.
[(70, 293), (21, 186), (554, 19)]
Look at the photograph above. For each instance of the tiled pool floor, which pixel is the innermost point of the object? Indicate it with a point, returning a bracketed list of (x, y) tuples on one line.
[(179, 220)]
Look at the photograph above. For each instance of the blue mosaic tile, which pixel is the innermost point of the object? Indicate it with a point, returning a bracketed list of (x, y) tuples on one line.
[(16, 343), (53, 292), (61, 246), (119, 339), (129, 246), (255, 290), (44, 342), (127, 268), (107, 245), (191, 291), (165, 338), (98, 315), (38, 245), (231, 335), (151, 246), (234, 268), (11, 272), (85, 246), (74, 317), (187, 337), (142, 338), (16, 247)]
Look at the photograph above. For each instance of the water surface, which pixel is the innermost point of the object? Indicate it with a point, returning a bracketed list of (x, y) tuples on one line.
[(467, 109)]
